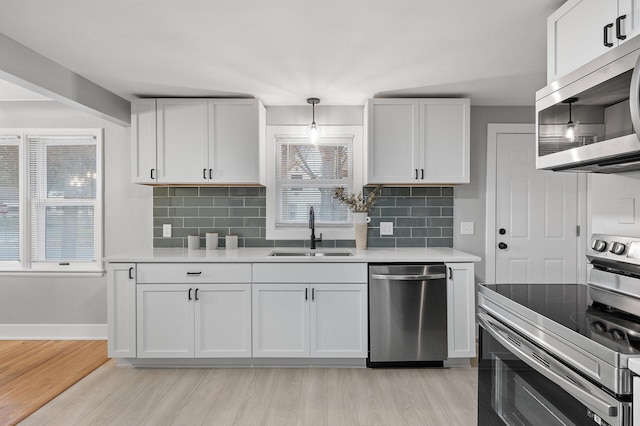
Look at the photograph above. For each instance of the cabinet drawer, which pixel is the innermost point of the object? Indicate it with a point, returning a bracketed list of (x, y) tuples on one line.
[(194, 273), (308, 273)]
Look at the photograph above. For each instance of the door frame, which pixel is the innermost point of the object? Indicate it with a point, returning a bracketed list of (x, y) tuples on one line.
[(493, 130)]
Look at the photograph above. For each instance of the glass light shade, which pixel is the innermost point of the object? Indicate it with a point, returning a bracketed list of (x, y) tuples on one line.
[(570, 133), (314, 132)]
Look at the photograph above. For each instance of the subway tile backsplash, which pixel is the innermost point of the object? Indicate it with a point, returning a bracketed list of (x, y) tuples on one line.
[(421, 216)]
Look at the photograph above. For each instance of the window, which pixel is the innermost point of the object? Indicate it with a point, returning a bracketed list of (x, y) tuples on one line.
[(302, 174), (51, 193)]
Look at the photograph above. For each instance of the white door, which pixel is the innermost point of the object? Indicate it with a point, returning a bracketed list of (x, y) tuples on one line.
[(183, 141), (280, 316), (222, 320), (143, 141), (338, 321), (536, 216), (165, 320), (121, 310), (461, 310), (234, 147)]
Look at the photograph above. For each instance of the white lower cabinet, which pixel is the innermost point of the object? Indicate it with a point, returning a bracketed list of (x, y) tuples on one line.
[(315, 320), (461, 310), (202, 321), (121, 310)]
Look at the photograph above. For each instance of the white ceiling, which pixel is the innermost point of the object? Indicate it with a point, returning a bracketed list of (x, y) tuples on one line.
[(284, 51)]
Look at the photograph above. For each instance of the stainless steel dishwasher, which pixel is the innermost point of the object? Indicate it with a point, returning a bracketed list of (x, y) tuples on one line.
[(407, 315)]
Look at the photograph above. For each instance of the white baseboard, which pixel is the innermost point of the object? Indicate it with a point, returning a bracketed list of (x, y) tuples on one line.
[(53, 332)]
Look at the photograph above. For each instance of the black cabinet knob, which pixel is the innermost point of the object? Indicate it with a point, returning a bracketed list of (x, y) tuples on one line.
[(502, 246)]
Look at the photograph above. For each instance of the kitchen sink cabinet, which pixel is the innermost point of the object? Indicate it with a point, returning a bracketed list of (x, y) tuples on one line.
[(121, 310), (324, 317), (582, 30), (461, 308), (197, 141), (417, 141)]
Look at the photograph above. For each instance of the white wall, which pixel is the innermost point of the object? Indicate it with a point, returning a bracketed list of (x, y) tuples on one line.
[(614, 203), (128, 216)]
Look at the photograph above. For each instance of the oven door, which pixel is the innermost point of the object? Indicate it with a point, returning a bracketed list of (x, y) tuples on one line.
[(519, 384)]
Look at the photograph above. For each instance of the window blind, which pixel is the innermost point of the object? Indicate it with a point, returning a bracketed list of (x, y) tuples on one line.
[(62, 198), (307, 175), (9, 198)]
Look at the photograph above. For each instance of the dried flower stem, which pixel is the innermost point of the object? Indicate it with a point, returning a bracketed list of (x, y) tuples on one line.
[(357, 203)]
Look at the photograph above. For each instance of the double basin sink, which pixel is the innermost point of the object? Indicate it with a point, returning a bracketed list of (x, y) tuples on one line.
[(309, 253)]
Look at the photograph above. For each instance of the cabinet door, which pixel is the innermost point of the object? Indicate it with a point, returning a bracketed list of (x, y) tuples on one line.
[(121, 310), (444, 141), (234, 148), (143, 141), (182, 141), (280, 315), (338, 321), (223, 320), (575, 34), (461, 310), (165, 320), (630, 25), (392, 145)]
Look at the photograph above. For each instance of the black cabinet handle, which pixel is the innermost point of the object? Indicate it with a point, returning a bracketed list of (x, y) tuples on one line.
[(189, 296), (422, 174), (153, 171), (204, 173), (196, 294), (131, 273), (306, 294), (416, 173), (210, 174), (619, 34), (194, 273), (313, 294), (606, 35)]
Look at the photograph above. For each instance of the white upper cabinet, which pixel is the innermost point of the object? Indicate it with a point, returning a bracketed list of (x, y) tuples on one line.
[(417, 141), (582, 30), (197, 141)]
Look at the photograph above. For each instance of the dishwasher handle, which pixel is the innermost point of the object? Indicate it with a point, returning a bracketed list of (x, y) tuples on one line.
[(419, 277)]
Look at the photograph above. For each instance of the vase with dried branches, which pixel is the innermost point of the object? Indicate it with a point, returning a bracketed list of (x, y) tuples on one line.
[(360, 207)]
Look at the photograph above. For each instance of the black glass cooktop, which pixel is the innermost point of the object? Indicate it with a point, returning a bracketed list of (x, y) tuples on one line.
[(571, 306)]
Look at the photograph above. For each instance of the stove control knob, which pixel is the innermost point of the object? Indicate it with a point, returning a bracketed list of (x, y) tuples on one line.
[(618, 248), (599, 245), (598, 326), (617, 334)]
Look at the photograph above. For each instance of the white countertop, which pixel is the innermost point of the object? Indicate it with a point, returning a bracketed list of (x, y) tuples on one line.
[(258, 255)]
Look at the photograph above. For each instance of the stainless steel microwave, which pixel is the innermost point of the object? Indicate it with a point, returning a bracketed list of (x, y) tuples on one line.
[(587, 121)]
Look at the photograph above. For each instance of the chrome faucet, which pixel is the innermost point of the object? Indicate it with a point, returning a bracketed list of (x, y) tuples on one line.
[(312, 226)]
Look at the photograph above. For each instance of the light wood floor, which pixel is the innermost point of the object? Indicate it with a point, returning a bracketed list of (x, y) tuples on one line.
[(34, 372), (265, 396)]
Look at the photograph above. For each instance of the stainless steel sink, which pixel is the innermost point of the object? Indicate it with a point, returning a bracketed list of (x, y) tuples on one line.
[(310, 253)]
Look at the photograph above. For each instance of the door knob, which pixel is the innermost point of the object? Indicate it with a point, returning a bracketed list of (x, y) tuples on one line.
[(502, 231), (502, 246)]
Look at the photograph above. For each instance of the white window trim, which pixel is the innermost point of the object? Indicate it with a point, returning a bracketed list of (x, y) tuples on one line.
[(26, 265), (298, 233)]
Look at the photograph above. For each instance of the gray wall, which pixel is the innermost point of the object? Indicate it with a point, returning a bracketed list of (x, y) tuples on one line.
[(470, 199), (128, 224)]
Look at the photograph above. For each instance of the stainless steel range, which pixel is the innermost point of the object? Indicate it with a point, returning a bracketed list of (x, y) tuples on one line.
[(559, 353)]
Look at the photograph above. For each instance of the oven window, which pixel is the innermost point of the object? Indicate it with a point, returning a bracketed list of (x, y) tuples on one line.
[(512, 393)]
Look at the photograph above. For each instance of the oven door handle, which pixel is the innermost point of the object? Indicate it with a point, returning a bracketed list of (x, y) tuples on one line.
[(547, 366)]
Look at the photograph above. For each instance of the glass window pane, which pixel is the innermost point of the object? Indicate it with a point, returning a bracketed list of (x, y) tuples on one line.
[(9, 203), (69, 233), (71, 171), (299, 159), (296, 202)]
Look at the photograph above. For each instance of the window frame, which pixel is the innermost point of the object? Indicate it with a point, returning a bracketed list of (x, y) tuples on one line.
[(280, 232), (27, 264)]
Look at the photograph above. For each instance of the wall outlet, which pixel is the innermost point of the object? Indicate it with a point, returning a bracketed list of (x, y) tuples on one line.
[(386, 228), (166, 230), (466, 228)]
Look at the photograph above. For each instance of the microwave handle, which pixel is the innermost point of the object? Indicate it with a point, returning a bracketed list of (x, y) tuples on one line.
[(634, 98), (549, 368)]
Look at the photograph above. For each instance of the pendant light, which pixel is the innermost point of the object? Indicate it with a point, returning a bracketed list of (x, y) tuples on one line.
[(313, 127), (570, 132)]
